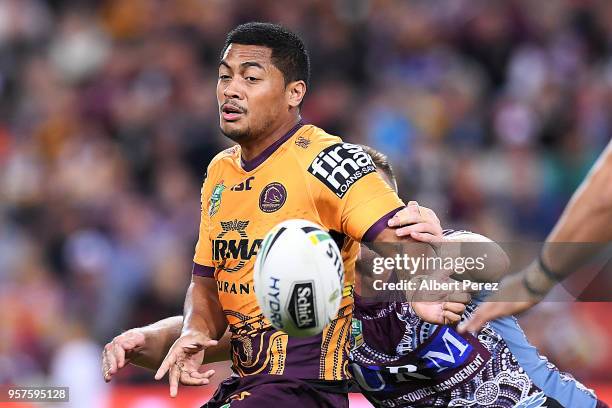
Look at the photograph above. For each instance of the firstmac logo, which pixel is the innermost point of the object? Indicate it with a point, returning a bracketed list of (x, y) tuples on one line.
[(341, 165)]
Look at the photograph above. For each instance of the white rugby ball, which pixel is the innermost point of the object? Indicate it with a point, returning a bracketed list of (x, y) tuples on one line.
[(298, 278)]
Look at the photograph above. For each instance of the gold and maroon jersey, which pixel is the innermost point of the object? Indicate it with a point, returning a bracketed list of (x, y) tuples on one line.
[(306, 174)]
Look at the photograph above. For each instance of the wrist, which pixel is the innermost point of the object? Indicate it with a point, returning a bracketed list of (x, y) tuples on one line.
[(538, 280), (416, 283), (146, 332), (545, 269), (203, 335), (141, 342)]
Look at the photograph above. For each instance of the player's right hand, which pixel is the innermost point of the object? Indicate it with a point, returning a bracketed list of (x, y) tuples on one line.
[(183, 362), (120, 351), (418, 222)]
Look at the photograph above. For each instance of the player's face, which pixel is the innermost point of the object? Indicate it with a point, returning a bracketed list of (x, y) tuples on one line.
[(250, 92)]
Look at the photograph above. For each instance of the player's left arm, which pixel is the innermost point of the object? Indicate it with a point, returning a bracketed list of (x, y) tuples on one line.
[(147, 346), (436, 308), (419, 223)]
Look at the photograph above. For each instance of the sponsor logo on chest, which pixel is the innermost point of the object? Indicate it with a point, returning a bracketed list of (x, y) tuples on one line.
[(233, 243), (446, 350)]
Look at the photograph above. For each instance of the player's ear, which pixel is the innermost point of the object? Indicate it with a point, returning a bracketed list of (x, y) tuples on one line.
[(295, 93)]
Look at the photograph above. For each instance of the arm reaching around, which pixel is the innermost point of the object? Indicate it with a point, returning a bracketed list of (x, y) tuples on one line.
[(421, 224), (142, 346), (147, 346)]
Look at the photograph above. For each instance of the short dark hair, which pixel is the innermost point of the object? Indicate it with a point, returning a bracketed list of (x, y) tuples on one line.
[(382, 162), (289, 54)]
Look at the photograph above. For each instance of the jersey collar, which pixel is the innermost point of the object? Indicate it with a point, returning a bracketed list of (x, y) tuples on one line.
[(249, 165)]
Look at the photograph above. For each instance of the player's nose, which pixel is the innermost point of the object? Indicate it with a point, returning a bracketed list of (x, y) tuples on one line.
[(232, 91)]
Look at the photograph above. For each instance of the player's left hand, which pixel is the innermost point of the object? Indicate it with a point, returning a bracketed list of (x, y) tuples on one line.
[(183, 362), (418, 222), (120, 351), (511, 298)]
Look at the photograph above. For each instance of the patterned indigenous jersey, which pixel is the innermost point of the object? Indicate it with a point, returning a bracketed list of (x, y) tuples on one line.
[(306, 174), (399, 360)]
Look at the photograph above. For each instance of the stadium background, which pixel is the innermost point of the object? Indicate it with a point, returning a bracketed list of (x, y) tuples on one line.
[(490, 111)]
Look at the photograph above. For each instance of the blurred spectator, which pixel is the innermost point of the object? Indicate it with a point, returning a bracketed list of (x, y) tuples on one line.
[(76, 365)]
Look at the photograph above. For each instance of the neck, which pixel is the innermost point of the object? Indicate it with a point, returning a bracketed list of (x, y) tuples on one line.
[(255, 147)]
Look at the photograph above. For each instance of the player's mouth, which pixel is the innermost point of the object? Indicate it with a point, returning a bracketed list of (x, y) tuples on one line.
[(231, 112)]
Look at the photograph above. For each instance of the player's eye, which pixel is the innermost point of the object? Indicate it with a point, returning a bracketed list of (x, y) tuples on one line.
[(252, 79), (223, 77)]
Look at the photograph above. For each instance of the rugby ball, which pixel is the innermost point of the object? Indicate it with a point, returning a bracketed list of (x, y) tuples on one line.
[(298, 278)]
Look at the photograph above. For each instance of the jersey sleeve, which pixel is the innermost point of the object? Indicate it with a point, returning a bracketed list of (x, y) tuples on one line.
[(350, 195), (202, 260)]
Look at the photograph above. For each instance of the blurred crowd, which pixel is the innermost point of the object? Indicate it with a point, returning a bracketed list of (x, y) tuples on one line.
[(490, 111)]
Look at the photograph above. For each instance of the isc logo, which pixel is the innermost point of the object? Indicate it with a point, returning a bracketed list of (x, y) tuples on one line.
[(340, 165), (244, 186), (302, 305)]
